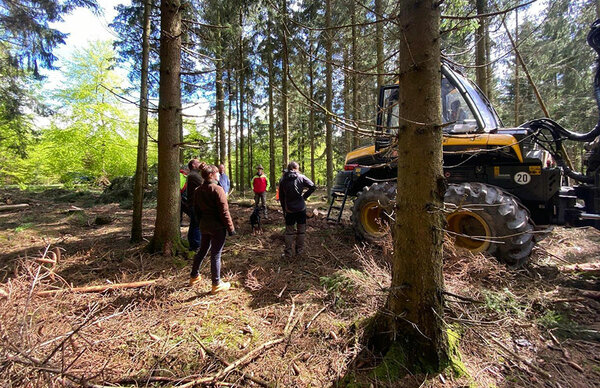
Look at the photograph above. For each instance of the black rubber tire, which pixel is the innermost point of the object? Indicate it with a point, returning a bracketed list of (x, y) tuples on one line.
[(384, 195), (504, 215)]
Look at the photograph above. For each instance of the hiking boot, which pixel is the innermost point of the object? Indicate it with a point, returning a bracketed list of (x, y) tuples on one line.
[(221, 287), (194, 280), (286, 257)]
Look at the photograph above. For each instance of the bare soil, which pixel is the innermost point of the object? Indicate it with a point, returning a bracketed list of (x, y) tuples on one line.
[(299, 320)]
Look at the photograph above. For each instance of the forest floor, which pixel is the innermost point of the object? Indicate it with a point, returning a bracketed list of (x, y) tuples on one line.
[(291, 323)]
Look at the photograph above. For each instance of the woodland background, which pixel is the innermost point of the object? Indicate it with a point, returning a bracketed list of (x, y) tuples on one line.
[(85, 130)]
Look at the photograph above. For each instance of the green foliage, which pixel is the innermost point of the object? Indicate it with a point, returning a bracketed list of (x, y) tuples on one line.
[(93, 136), (504, 303), (23, 226), (551, 319)]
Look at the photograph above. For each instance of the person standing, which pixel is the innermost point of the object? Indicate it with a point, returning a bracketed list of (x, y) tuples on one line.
[(210, 205), (260, 186), (292, 198), (183, 203), (224, 179), (194, 180)]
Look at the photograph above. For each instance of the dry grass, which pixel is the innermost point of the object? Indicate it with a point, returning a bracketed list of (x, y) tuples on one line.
[(170, 333)]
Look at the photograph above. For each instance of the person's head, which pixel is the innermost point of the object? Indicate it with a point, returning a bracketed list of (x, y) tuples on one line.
[(259, 169), (293, 166), (194, 164), (210, 172), (221, 169), (455, 105)]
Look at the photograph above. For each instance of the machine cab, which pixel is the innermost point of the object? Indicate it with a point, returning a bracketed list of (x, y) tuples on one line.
[(464, 108)]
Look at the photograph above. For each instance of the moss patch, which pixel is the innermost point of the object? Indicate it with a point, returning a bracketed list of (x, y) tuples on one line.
[(393, 366), (456, 364)]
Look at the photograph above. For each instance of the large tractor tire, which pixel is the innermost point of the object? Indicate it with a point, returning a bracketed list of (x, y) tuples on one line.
[(484, 218), (373, 210)]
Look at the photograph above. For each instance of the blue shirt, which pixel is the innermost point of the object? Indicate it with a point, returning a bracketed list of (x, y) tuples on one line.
[(224, 183)]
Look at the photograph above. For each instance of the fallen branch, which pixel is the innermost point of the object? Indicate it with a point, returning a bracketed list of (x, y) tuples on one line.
[(589, 294), (523, 360), (591, 268), (462, 297), (234, 365), (227, 363), (101, 288), (7, 208), (247, 358), (287, 325), (334, 256), (315, 317)]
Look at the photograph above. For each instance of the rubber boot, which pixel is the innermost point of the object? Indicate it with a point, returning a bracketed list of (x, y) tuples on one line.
[(300, 239), (289, 240)]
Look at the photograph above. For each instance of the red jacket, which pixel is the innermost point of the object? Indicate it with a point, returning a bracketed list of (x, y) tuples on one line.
[(260, 183)]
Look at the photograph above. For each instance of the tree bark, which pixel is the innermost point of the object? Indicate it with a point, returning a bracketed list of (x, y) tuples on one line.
[(284, 92), (311, 115), (271, 125), (250, 156), (328, 94), (229, 97), (480, 48), (241, 102), (166, 230), (517, 87), (348, 108), (355, 66), (379, 43), (416, 299), (220, 96), (142, 149)]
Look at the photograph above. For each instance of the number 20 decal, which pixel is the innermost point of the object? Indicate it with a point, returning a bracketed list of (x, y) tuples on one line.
[(522, 178)]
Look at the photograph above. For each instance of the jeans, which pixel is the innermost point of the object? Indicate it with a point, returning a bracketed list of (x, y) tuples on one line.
[(193, 235), (214, 240)]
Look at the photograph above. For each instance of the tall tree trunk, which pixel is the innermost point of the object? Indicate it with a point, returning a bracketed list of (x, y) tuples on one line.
[(328, 94), (284, 92), (250, 156), (301, 146), (142, 149), (229, 97), (311, 114), (355, 66), (220, 96), (348, 108), (480, 72), (517, 87), (415, 299), (489, 75), (237, 147), (271, 126), (166, 230), (378, 42), (216, 148), (241, 102)]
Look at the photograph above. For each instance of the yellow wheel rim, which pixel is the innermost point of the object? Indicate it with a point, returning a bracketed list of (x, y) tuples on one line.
[(465, 223), (372, 218)]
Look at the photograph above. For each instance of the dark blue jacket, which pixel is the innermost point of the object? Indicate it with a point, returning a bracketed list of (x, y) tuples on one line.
[(291, 186)]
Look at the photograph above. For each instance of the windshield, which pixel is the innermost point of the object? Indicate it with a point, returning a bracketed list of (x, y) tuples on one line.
[(455, 110), (489, 116)]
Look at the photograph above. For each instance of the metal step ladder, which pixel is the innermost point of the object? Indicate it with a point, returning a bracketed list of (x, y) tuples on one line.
[(335, 198)]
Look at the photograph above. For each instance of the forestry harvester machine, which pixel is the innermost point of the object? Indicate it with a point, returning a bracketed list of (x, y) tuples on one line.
[(503, 184)]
